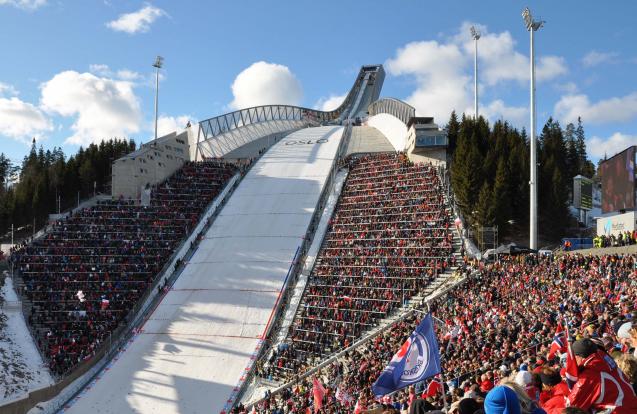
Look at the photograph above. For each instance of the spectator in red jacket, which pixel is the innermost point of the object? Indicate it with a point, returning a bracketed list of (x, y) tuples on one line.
[(600, 385), (554, 391)]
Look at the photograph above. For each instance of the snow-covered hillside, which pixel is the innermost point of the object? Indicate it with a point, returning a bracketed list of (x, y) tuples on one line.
[(21, 367)]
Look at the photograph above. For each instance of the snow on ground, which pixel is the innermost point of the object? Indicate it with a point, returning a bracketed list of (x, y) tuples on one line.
[(21, 367)]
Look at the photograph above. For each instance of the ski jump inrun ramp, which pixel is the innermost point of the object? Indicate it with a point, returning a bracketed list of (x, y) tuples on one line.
[(195, 346)]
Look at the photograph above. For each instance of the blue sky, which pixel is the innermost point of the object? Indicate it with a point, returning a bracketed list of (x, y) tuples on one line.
[(76, 71)]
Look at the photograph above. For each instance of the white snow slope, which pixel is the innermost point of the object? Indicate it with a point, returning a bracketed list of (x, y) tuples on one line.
[(195, 347), (21, 367)]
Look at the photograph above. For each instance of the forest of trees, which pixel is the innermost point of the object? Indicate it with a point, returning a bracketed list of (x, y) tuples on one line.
[(490, 174), (28, 192)]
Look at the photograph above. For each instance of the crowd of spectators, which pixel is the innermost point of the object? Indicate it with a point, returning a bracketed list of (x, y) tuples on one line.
[(388, 238), (497, 328), (625, 238), (85, 275)]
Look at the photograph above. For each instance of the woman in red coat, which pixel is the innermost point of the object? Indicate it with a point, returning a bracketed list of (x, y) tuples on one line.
[(554, 391)]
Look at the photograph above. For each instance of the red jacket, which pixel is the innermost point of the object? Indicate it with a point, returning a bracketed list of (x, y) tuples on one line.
[(601, 385), (554, 401)]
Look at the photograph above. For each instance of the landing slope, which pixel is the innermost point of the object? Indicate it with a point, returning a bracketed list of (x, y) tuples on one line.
[(195, 346)]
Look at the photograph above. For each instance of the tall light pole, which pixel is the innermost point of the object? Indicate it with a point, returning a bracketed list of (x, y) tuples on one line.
[(159, 61), (476, 35), (532, 26)]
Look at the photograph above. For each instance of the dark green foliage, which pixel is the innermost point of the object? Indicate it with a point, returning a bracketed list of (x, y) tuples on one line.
[(29, 192), (490, 173)]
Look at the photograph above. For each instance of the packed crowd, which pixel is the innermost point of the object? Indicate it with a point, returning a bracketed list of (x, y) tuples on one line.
[(89, 271), (626, 238), (498, 329), (389, 236)]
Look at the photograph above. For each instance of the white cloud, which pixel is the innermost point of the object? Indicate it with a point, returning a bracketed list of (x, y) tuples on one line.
[(568, 87), (136, 22), (499, 61), (515, 115), (103, 70), (331, 103), (103, 108), (549, 67), (616, 109), (22, 120), (264, 83), (24, 4), (8, 90), (443, 72), (594, 58), (100, 69), (598, 147), (441, 84), (168, 124), (129, 75)]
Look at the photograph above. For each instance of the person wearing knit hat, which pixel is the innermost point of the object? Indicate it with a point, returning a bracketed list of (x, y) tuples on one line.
[(525, 380), (502, 400)]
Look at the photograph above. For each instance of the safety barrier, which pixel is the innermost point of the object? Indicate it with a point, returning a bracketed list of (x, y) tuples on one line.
[(392, 106)]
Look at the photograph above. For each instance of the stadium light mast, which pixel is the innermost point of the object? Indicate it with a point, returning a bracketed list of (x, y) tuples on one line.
[(532, 26), (476, 35), (159, 61)]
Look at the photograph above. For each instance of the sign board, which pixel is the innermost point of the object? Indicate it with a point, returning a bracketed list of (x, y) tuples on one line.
[(619, 223), (582, 193)]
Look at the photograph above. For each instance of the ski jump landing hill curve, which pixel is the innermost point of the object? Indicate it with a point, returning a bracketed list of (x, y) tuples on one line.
[(197, 343)]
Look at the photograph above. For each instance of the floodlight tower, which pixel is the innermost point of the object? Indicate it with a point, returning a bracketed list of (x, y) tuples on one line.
[(159, 61), (532, 26), (476, 35)]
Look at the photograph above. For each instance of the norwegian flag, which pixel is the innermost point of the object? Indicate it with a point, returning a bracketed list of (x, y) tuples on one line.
[(558, 343), (571, 365), (319, 392)]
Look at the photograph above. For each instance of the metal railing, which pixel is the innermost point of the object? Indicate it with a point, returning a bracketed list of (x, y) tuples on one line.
[(441, 291), (289, 116), (392, 106)]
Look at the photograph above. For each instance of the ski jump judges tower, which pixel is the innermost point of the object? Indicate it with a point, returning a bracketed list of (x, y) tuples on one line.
[(192, 348)]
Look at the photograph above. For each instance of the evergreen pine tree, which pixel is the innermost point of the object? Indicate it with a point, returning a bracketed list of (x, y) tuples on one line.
[(502, 196), (485, 208)]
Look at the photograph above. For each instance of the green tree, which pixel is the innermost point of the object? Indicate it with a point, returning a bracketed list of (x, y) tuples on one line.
[(485, 208)]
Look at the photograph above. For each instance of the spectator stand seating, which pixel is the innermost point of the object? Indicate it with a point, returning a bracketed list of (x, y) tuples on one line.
[(500, 322), (82, 278), (388, 238)]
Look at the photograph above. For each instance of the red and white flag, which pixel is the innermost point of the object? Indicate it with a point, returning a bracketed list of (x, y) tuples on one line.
[(319, 392), (359, 407), (571, 364), (558, 343)]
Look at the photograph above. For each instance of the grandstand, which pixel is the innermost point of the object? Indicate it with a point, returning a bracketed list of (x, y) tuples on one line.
[(278, 245)]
